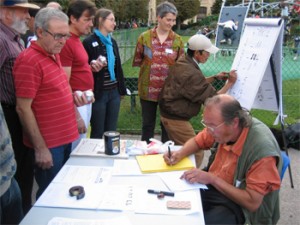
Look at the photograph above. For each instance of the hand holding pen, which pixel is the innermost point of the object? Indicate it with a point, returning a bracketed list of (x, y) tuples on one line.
[(172, 157), (226, 75), (232, 76)]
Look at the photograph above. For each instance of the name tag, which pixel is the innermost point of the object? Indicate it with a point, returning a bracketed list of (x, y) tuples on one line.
[(169, 51), (95, 44)]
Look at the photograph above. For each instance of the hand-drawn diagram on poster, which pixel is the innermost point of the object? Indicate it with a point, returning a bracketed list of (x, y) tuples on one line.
[(255, 86)]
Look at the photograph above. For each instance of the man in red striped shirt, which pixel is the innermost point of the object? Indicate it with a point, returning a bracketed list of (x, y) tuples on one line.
[(44, 100)]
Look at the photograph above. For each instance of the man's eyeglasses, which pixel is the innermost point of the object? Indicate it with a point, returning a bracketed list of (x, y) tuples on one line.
[(59, 36), (212, 129)]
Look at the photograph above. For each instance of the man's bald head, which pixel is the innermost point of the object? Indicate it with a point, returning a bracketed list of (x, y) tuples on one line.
[(229, 108), (55, 5)]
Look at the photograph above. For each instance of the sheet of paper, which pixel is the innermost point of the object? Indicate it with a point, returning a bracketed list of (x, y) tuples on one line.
[(156, 163), (83, 175), (174, 183), (95, 147), (126, 167), (113, 197), (69, 221), (90, 146), (150, 204)]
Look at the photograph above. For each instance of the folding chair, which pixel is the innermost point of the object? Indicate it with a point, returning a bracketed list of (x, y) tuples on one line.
[(285, 163)]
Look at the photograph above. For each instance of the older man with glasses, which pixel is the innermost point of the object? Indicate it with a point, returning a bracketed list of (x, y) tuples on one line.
[(243, 174), (14, 19), (44, 101)]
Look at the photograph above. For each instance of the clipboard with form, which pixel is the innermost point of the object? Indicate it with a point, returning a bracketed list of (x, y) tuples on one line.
[(156, 163)]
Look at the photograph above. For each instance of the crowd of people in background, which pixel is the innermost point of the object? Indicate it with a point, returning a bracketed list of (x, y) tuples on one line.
[(54, 85)]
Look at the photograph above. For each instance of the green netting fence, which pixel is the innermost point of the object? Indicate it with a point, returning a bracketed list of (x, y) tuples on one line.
[(130, 114)]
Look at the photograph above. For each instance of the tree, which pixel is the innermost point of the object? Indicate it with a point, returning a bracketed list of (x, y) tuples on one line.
[(124, 10), (186, 10), (216, 8), (136, 9)]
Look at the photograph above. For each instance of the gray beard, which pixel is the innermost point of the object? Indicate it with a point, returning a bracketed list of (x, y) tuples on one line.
[(20, 26)]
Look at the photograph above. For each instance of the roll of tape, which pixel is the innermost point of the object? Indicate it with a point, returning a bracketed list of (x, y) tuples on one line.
[(77, 191)]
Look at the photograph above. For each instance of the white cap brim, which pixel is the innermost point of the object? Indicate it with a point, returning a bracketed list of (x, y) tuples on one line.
[(213, 49)]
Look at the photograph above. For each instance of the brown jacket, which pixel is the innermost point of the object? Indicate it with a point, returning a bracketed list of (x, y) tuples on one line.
[(184, 91)]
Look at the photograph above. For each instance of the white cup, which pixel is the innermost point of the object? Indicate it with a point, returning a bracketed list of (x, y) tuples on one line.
[(89, 95), (102, 59), (79, 93)]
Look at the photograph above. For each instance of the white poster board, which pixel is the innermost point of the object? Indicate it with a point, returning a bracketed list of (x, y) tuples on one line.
[(254, 88)]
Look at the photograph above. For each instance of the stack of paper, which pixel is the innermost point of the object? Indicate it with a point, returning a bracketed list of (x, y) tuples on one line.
[(156, 163)]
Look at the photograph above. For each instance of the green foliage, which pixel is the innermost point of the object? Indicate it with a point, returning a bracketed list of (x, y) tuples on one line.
[(138, 9), (216, 8), (295, 30), (187, 9), (126, 10), (208, 20)]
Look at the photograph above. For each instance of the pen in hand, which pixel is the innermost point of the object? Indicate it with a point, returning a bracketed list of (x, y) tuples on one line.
[(170, 155)]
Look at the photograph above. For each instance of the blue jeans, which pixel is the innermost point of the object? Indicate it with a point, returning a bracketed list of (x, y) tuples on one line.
[(11, 211), (43, 177), (105, 113)]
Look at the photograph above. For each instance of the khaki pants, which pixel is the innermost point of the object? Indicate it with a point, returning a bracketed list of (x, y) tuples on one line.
[(181, 131)]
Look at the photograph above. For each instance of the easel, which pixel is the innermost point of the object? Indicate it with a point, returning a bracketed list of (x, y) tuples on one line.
[(281, 118)]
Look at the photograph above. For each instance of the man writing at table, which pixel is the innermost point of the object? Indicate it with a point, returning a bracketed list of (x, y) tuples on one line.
[(243, 175)]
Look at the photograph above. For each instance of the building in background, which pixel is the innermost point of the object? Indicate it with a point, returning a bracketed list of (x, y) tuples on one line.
[(152, 12), (205, 10)]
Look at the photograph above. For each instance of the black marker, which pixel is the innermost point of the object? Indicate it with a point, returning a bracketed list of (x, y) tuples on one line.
[(172, 194)]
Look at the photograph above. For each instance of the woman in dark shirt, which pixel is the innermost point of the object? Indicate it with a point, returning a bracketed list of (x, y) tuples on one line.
[(109, 83)]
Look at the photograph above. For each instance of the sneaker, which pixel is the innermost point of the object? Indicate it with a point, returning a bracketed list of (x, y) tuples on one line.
[(295, 58), (223, 41), (229, 41)]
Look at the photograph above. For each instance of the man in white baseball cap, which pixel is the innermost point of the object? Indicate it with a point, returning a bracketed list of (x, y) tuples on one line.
[(186, 89), (14, 17)]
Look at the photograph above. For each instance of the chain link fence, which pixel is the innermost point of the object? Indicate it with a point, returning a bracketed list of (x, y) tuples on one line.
[(130, 118)]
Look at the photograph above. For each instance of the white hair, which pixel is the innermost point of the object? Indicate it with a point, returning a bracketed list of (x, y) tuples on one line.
[(44, 15)]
